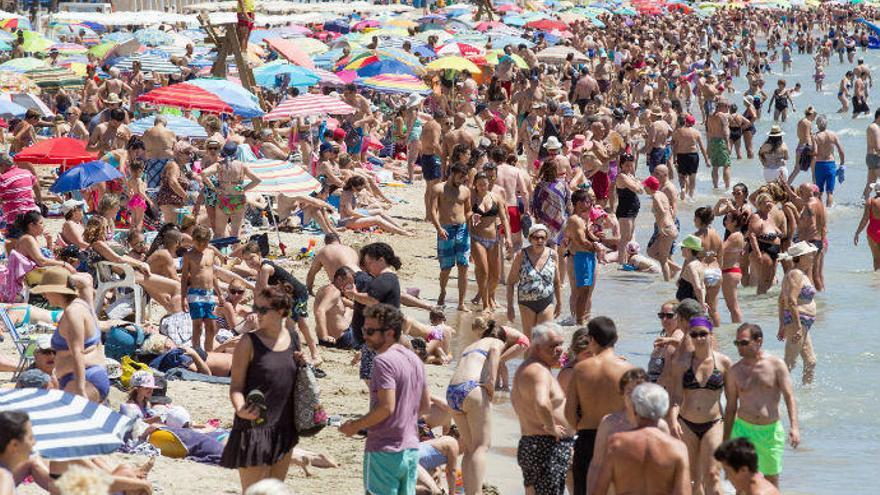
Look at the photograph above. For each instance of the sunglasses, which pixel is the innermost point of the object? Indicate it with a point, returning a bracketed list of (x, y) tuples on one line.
[(213, 148), (698, 335), (665, 316), (46, 351), (236, 292), (261, 310), (371, 331), (740, 343)]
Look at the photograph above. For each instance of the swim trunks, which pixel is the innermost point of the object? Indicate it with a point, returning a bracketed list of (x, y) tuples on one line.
[(719, 154), (688, 163), (544, 462), (584, 268), (456, 248), (430, 167), (826, 175), (872, 161), (769, 442), (514, 217), (657, 156), (201, 303), (392, 473)]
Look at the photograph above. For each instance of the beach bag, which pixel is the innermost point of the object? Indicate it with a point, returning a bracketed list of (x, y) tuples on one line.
[(309, 416), (129, 367), (123, 341)]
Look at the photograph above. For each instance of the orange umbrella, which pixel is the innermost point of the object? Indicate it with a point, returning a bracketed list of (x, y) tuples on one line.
[(289, 50)]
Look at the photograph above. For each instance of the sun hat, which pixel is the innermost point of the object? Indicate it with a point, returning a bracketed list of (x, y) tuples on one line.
[(54, 281), (142, 379), (652, 183), (776, 131), (578, 143), (537, 228), (693, 243), (70, 204), (802, 248), (414, 100), (552, 143)]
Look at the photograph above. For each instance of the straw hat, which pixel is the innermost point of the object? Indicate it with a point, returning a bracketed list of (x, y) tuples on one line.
[(693, 243), (776, 131), (802, 248), (55, 281)]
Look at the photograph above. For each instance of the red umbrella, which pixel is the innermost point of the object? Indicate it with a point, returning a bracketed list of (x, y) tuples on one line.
[(308, 105), (56, 151), (547, 25)]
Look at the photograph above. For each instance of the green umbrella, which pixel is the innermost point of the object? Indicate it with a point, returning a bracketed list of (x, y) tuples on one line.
[(35, 42), (101, 50)]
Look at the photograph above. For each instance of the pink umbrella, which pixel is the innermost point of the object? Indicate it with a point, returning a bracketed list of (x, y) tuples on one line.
[(289, 50), (461, 49), (347, 76), (369, 23), (509, 7), (487, 25), (547, 25), (296, 28), (309, 105)]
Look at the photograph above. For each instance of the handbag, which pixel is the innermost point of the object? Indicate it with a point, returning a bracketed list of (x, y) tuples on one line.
[(309, 416), (129, 367), (123, 341)]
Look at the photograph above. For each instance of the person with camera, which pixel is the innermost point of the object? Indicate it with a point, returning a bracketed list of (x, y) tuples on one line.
[(264, 369)]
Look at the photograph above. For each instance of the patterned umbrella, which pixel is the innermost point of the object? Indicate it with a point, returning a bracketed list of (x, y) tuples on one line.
[(329, 78), (309, 105), (210, 95), (461, 49), (53, 78), (153, 37), (149, 63), (22, 65), (396, 83), (68, 48), (67, 426), (281, 177), (182, 127), (15, 82)]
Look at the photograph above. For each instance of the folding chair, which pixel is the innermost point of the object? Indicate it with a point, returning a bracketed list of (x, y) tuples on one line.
[(25, 345)]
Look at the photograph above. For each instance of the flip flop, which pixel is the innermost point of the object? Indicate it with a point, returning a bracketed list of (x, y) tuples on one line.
[(319, 373)]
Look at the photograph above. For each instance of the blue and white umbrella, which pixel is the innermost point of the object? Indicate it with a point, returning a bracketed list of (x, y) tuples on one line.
[(153, 37), (149, 63), (68, 426), (266, 74), (10, 109), (182, 127)]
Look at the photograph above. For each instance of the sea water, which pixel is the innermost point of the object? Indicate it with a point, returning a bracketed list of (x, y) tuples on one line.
[(839, 413)]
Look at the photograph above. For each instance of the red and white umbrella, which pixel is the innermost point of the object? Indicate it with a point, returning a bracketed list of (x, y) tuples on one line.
[(309, 105), (460, 49)]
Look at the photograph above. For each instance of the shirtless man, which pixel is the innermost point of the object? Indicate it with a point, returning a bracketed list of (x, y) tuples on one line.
[(718, 134), (585, 89), (583, 252), (90, 100), (514, 184), (806, 148), (754, 386), (432, 167), (333, 313), (647, 460), (686, 142), (666, 225), (110, 135), (457, 135), (872, 159), (862, 69), (603, 75), (812, 227), (333, 256), (593, 393), (860, 95), (136, 84), (825, 170), (545, 449), (449, 211), (159, 143), (657, 135), (708, 94), (740, 463)]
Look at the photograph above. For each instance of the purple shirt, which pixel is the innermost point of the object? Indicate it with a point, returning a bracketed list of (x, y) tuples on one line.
[(399, 369)]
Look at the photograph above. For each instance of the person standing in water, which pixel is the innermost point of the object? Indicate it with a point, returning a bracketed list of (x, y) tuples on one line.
[(871, 220), (740, 463), (797, 309), (872, 158)]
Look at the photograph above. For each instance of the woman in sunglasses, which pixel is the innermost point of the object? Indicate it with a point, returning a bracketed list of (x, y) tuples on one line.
[(696, 382), (535, 278), (667, 342), (266, 361), (235, 316)]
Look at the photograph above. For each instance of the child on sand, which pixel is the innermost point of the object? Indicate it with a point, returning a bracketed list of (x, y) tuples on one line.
[(201, 286), (135, 188)]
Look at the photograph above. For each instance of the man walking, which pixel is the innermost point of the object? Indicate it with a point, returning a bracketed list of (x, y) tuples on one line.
[(449, 212)]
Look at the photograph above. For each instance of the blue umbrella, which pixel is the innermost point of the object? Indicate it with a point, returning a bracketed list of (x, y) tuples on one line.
[(514, 20), (68, 426), (385, 67), (9, 109), (153, 37), (266, 75), (85, 175), (327, 60), (182, 127), (118, 36)]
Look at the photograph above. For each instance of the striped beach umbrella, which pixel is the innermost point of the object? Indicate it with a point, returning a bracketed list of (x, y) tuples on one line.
[(67, 426), (22, 65), (328, 77), (396, 83), (52, 78), (182, 127), (282, 177), (209, 95), (149, 63), (68, 48), (309, 105), (153, 37)]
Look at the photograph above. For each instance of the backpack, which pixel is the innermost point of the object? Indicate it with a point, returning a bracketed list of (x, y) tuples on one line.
[(123, 341)]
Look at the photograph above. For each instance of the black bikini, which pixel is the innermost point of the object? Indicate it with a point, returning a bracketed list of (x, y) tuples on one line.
[(685, 290), (766, 245), (492, 212), (714, 382)]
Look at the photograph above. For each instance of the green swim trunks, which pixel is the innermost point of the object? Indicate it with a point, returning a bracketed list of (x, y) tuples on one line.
[(769, 442), (719, 154), (391, 473)]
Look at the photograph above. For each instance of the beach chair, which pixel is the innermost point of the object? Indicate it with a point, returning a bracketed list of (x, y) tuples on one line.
[(25, 345), (108, 280)]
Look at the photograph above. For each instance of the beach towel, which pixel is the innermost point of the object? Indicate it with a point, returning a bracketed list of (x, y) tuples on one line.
[(12, 279), (191, 376), (549, 205)]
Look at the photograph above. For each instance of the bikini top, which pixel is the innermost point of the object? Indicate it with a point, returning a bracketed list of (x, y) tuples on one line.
[(59, 343), (491, 212), (807, 293), (715, 381), (478, 351)]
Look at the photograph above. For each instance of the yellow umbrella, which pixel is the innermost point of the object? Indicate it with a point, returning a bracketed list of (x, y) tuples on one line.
[(101, 50), (35, 42), (493, 55), (453, 63), (311, 46)]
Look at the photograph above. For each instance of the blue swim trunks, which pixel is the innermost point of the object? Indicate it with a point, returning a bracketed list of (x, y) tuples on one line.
[(584, 268), (391, 473), (456, 248), (201, 303), (430, 167), (826, 175)]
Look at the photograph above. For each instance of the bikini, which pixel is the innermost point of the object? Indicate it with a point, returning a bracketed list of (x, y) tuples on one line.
[(805, 296), (457, 393), (491, 212), (766, 245), (535, 289), (95, 374), (714, 382)]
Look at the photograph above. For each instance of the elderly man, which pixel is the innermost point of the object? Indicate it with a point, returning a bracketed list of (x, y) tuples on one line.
[(332, 312), (545, 448), (646, 460), (110, 135)]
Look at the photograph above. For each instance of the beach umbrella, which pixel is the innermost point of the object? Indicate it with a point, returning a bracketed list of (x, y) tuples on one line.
[(56, 151), (209, 95), (514, 20), (453, 63), (508, 7), (182, 127), (68, 48), (385, 67), (85, 175), (493, 57), (547, 25), (118, 36), (282, 177), (402, 23), (153, 37), (290, 50), (28, 100), (16, 22), (461, 49), (432, 19), (308, 105), (67, 426), (487, 25), (329, 78), (22, 65), (149, 63), (311, 46), (328, 60), (396, 83), (35, 42), (10, 109), (266, 75), (15, 82), (559, 54), (54, 78), (365, 24)]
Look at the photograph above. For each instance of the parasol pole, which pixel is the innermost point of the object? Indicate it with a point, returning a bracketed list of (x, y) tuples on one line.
[(274, 222)]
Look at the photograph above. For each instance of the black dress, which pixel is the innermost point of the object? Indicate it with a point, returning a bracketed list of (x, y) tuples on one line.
[(274, 374)]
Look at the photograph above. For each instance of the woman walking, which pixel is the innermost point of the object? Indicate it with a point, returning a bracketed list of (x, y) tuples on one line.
[(263, 376), (487, 210), (731, 255), (871, 220), (691, 283), (535, 277), (764, 239), (797, 309), (712, 246), (628, 204), (774, 154)]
